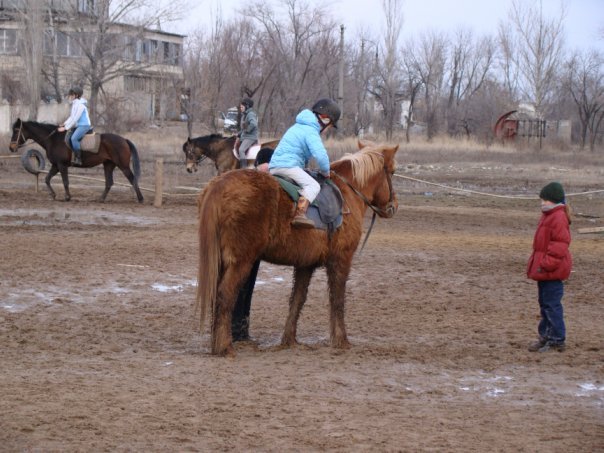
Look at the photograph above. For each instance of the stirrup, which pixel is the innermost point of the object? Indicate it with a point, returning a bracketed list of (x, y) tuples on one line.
[(301, 221)]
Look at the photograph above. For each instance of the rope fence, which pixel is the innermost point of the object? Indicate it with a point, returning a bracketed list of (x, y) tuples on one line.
[(513, 197), (159, 193)]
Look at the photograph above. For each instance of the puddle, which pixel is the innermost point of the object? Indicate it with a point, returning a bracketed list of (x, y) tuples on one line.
[(44, 217)]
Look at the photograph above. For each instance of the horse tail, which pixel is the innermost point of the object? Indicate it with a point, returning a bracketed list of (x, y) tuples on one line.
[(136, 162), (210, 258)]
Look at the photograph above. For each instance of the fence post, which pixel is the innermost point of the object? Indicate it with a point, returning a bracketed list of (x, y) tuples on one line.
[(159, 182)]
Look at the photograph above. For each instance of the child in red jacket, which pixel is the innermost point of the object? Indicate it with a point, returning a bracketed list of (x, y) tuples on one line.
[(550, 264)]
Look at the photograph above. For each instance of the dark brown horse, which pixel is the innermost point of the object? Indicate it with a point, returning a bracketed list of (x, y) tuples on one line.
[(216, 147), (113, 151), (241, 201)]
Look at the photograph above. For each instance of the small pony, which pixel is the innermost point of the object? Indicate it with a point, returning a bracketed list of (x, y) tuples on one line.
[(219, 149)]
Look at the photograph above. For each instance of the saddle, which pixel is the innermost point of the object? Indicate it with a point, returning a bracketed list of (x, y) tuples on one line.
[(250, 153), (90, 141), (326, 210)]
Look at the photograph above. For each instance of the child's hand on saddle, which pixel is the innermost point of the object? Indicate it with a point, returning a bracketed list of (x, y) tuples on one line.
[(61, 129)]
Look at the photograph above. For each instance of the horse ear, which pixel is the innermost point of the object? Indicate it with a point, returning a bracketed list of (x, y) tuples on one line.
[(389, 152), (188, 139), (365, 143)]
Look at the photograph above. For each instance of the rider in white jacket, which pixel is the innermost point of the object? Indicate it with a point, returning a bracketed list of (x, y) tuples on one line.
[(79, 119)]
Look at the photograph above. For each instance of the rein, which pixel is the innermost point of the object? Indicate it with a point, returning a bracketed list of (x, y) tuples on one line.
[(388, 212), (20, 135)]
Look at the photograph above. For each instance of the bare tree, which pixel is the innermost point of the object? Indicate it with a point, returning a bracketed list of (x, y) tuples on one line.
[(508, 69), (413, 82), (110, 36), (539, 45), (386, 86), (31, 14), (429, 62), (362, 58), (469, 63), (299, 47), (585, 82)]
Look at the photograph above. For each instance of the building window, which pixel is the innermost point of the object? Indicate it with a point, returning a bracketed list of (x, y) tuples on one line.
[(86, 6), (63, 44), (138, 83), (8, 42)]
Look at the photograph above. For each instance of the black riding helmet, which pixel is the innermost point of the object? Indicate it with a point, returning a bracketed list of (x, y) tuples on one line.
[(76, 91), (247, 102), (329, 108)]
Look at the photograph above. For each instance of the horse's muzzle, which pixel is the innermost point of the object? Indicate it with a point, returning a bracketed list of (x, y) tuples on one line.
[(13, 147), (191, 167), (391, 209)]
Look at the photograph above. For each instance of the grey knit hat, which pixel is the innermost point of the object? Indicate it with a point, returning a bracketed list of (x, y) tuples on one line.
[(553, 192)]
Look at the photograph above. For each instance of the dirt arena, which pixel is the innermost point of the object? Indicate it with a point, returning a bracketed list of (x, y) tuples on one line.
[(100, 349)]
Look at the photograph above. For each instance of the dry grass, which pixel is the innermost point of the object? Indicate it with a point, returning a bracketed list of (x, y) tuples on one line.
[(166, 142)]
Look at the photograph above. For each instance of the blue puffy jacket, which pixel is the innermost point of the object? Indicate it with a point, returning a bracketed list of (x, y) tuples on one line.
[(301, 142)]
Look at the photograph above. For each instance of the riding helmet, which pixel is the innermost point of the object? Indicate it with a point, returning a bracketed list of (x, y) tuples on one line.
[(328, 107), (247, 102), (76, 91)]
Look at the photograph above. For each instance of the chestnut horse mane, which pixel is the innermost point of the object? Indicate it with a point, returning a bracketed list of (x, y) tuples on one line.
[(365, 163)]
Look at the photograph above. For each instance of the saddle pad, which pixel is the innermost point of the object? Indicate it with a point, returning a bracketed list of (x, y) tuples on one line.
[(326, 210), (91, 142)]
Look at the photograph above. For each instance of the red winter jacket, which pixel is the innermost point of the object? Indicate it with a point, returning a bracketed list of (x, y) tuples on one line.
[(551, 259)]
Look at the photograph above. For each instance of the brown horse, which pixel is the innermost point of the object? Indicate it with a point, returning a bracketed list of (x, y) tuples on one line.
[(218, 148), (241, 201), (114, 150)]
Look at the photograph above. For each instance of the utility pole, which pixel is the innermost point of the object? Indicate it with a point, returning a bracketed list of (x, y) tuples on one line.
[(341, 84)]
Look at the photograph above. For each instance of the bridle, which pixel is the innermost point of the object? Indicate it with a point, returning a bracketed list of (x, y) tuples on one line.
[(388, 212), (191, 157), (19, 136)]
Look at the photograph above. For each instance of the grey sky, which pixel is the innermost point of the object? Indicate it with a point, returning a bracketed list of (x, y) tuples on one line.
[(584, 23)]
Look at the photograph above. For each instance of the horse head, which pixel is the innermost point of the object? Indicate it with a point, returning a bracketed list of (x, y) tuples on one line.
[(384, 197), (193, 154), (372, 169), (18, 137)]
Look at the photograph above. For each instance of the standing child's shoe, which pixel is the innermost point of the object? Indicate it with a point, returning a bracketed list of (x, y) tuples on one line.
[(553, 346), (537, 345)]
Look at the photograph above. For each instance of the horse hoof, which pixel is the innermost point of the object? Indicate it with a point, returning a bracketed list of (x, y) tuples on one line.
[(341, 344), (229, 351)]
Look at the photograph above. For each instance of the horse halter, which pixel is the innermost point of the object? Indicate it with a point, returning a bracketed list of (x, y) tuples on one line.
[(388, 212), (14, 146), (191, 159)]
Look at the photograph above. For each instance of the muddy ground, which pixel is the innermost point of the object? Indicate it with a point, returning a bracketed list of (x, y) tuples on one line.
[(100, 348)]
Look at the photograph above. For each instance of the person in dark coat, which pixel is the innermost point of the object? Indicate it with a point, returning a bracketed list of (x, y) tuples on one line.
[(240, 323), (550, 264)]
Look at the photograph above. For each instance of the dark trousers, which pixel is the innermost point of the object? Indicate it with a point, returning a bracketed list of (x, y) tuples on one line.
[(551, 327), (240, 323)]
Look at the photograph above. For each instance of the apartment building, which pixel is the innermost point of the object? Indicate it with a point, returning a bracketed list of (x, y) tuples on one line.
[(139, 68)]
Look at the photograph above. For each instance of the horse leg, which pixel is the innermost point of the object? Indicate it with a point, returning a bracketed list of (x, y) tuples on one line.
[(230, 283), (337, 275), (297, 299), (108, 167), (130, 176), (53, 171), (65, 178)]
